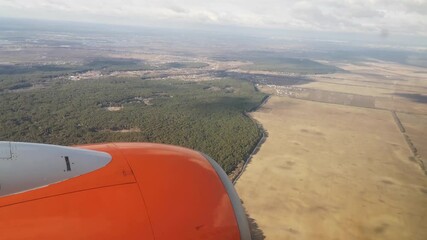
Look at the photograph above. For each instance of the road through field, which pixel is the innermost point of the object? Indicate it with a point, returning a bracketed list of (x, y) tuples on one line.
[(328, 171)]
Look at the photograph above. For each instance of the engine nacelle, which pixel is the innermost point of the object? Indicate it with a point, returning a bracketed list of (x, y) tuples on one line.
[(115, 191)]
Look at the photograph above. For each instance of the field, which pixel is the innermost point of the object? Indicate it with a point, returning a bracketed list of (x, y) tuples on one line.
[(393, 86), (333, 172), (345, 156)]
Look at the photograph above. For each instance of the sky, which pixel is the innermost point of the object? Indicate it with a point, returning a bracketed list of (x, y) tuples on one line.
[(384, 17)]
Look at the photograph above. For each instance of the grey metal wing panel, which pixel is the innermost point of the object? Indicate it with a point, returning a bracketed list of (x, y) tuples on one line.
[(27, 166)]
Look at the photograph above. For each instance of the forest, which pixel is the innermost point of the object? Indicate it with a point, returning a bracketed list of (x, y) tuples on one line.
[(206, 116)]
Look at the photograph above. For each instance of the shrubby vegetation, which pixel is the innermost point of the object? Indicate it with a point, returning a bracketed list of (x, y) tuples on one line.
[(115, 64), (189, 114), (291, 65), (279, 62), (20, 69), (185, 65)]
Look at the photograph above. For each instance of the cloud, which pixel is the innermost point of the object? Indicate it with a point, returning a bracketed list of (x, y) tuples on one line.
[(397, 16)]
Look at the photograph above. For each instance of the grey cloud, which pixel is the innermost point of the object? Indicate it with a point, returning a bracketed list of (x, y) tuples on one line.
[(178, 9), (417, 7), (404, 16)]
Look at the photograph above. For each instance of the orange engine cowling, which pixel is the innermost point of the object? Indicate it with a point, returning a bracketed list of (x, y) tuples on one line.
[(115, 191)]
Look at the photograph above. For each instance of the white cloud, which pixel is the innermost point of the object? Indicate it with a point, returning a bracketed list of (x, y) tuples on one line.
[(397, 16)]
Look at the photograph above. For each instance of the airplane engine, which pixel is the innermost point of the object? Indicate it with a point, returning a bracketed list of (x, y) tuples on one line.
[(115, 191)]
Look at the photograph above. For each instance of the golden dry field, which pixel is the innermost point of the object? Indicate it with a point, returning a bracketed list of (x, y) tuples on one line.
[(336, 165)]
